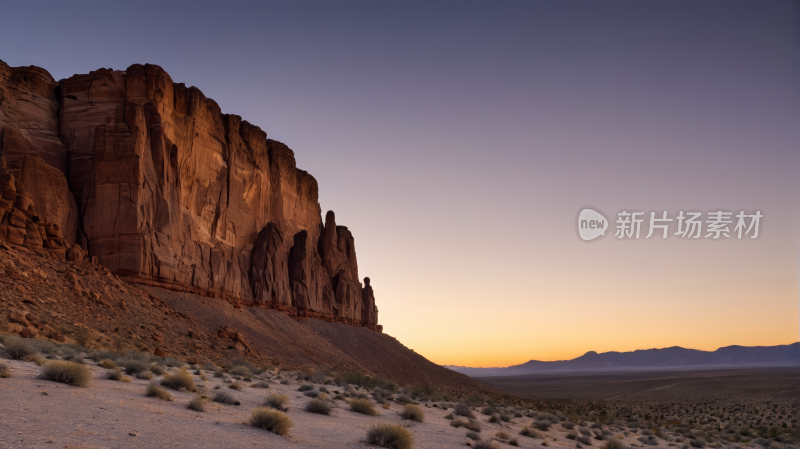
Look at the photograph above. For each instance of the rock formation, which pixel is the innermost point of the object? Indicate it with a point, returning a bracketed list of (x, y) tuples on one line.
[(149, 177)]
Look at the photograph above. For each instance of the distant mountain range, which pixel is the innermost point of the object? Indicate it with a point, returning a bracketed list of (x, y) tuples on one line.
[(649, 359)]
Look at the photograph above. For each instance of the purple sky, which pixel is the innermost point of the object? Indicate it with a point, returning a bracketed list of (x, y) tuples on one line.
[(457, 140)]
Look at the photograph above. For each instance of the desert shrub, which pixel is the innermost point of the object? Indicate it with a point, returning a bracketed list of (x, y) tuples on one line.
[(146, 375), (543, 424), (473, 436), (494, 419), (272, 420), (568, 425), (235, 386), (572, 435), (386, 405), (172, 362), (107, 364), (17, 348), (513, 442), (695, 443), (449, 416), (390, 435), (484, 445), (305, 387), (363, 406), (133, 366), (240, 371), (456, 422), (154, 391), (34, 358), (197, 404), (491, 410), (650, 440), (277, 401), (5, 371), (261, 384), (463, 409), (319, 406), (180, 380), (502, 435), (585, 431), (75, 358), (413, 412), (157, 370), (67, 372), (615, 444), (583, 439), (318, 377), (528, 432), (116, 374), (403, 399), (547, 415), (223, 397), (472, 425), (311, 393)]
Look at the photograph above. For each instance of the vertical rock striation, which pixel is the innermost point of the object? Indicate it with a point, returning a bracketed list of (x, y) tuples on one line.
[(152, 179)]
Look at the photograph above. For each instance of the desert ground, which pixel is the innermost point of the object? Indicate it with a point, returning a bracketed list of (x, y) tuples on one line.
[(735, 398), (107, 413)]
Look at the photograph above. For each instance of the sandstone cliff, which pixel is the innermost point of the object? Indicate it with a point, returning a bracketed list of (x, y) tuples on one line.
[(150, 177)]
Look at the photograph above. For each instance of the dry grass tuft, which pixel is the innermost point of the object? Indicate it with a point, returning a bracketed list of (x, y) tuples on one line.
[(363, 406), (118, 376), (178, 381), (5, 371), (107, 364), (223, 397), (17, 348), (154, 391), (413, 412), (319, 406), (70, 373), (390, 435), (272, 420), (528, 432), (463, 409), (197, 404), (277, 401)]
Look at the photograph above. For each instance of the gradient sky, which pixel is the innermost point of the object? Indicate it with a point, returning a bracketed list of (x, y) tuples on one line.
[(458, 140)]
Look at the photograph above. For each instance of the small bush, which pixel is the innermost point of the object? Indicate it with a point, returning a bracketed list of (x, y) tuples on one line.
[(543, 425), (502, 435), (5, 371), (403, 399), (463, 409), (489, 411), (172, 362), (223, 397), (107, 364), (180, 380), (473, 436), (363, 406), (413, 412), (449, 416), (271, 420), (117, 375), (494, 419), (615, 444), (528, 432), (456, 422), (240, 371), (514, 442), (261, 384), (133, 366), (17, 348), (277, 401), (197, 404), (484, 445), (583, 439), (305, 387), (390, 435), (319, 406), (386, 405), (472, 425), (38, 360), (157, 370), (572, 435), (67, 372), (154, 391), (235, 386), (146, 375)]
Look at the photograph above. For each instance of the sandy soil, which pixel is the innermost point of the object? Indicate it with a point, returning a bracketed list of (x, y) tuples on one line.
[(106, 413)]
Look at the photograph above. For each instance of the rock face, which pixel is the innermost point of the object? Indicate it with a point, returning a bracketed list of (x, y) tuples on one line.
[(149, 177)]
